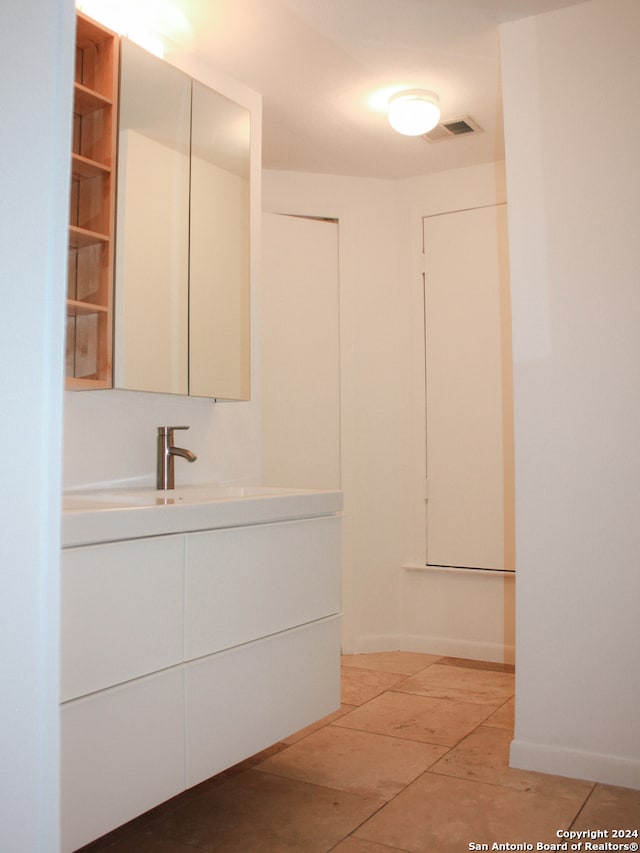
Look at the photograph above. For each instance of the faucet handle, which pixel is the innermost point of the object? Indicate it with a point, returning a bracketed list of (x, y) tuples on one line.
[(165, 430)]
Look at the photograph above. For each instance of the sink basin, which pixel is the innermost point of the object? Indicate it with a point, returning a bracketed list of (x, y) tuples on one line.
[(107, 515), (80, 501)]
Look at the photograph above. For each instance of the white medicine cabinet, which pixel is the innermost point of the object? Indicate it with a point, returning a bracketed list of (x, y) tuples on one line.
[(182, 270)]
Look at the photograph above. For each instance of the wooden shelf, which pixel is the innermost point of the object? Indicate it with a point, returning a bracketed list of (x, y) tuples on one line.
[(92, 207), (80, 238), (83, 167), (87, 101), (89, 33), (76, 308), (75, 384)]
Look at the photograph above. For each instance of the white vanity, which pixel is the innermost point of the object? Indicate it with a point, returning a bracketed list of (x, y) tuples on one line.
[(197, 627)]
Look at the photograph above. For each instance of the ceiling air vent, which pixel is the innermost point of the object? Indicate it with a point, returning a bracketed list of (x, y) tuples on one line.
[(453, 127)]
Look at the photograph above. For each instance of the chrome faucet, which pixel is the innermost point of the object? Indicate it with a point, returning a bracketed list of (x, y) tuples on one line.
[(166, 454)]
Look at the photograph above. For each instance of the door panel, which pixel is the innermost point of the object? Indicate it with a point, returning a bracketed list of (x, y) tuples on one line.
[(469, 390), (300, 352)]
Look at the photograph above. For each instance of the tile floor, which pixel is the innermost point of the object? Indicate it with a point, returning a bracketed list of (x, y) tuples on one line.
[(415, 760)]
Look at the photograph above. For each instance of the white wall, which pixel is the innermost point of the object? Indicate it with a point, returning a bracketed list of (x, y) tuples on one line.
[(35, 87), (574, 190), (461, 613), (300, 352), (110, 436), (376, 361), (383, 410)]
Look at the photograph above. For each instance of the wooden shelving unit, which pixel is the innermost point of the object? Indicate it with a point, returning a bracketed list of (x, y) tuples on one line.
[(91, 227)]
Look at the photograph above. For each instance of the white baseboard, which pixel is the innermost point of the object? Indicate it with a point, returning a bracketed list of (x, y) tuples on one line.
[(578, 764), (445, 646), (365, 643)]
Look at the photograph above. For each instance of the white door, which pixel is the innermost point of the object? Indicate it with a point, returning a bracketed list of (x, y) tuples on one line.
[(300, 352), (470, 499)]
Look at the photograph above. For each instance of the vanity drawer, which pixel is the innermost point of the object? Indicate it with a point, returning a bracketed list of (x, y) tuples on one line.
[(121, 612), (122, 752), (242, 700), (250, 582)]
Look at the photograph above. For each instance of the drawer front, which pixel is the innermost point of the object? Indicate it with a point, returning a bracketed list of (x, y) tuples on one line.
[(247, 698), (122, 752), (122, 613), (246, 583)]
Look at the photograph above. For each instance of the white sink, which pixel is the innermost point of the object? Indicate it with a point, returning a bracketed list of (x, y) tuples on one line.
[(106, 515), (82, 500)]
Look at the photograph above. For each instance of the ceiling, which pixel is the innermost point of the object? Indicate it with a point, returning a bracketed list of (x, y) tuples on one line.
[(326, 68)]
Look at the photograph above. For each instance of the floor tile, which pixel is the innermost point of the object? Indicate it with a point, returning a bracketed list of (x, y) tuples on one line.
[(142, 842), (436, 813), (454, 682), (342, 710), (504, 717), (406, 663), (483, 756), (421, 718), (261, 813), (611, 807), (360, 685), (489, 666), (134, 835), (359, 845), (439, 726), (368, 764)]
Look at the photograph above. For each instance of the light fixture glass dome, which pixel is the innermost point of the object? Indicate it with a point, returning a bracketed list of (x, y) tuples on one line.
[(414, 111)]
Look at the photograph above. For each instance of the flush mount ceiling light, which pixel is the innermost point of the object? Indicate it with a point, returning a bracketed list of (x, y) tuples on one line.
[(414, 111)]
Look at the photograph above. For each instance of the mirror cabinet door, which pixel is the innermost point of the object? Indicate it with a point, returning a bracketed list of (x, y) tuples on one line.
[(219, 251), (182, 248), (152, 236)]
